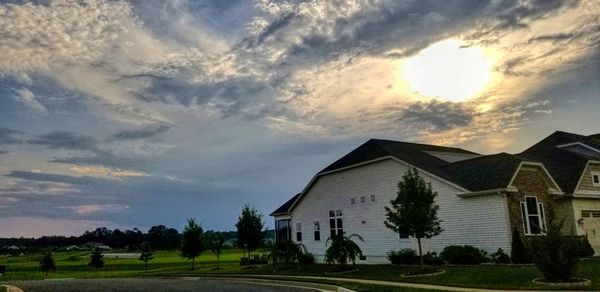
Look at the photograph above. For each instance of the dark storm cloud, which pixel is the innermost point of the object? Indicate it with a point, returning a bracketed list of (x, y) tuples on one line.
[(7, 136), (272, 28), (59, 178), (437, 116), (552, 37), (3, 152), (143, 133), (66, 140), (412, 27)]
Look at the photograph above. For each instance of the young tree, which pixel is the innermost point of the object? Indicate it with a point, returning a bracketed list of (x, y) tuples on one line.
[(216, 242), (414, 211), (146, 254), (193, 244), (47, 263), (342, 249), (250, 229), (96, 259)]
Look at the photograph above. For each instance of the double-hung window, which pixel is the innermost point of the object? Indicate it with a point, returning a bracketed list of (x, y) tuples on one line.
[(596, 179), (534, 221), (335, 222), (298, 231), (317, 228)]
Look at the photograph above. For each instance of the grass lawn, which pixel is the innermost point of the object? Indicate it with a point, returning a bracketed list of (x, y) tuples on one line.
[(170, 264)]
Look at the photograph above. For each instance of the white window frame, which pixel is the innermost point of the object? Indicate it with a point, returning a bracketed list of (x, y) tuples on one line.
[(541, 217), (596, 174), (316, 230), (337, 215), (299, 232)]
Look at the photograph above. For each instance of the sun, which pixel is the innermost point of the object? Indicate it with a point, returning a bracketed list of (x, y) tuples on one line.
[(448, 70)]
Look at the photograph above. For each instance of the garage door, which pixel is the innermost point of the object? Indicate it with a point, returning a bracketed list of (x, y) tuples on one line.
[(591, 227)]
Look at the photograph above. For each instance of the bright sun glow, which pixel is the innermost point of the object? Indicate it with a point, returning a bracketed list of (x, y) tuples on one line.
[(447, 71)]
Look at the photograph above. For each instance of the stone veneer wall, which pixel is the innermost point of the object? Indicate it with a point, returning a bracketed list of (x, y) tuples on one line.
[(529, 182)]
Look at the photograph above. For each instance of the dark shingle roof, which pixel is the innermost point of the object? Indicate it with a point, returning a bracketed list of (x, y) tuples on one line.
[(412, 153), (486, 172), (561, 138), (566, 167), (286, 206)]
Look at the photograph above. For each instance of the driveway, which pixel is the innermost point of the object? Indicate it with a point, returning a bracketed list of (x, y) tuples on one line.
[(154, 284)]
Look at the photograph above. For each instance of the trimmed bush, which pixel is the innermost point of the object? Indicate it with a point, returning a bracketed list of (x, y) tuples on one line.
[(463, 255), (519, 254), (404, 256), (432, 259), (500, 257)]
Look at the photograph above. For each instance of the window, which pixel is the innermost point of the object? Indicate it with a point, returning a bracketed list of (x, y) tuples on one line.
[(362, 199), (587, 214), (352, 201), (402, 235), (282, 230), (335, 222), (596, 179), (298, 231), (534, 221), (317, 228), (372, 198)]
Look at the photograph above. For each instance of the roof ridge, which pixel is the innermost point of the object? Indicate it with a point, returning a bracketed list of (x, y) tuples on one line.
[(484, 156)]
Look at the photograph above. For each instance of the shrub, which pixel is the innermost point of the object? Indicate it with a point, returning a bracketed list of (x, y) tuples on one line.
[(556, 256), (404, 256), (463, 255), (306, 258), (432, 259), (585, 248), (519, 254), (500, 257)]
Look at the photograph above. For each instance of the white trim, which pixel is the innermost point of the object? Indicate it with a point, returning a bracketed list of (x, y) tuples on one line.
[(488, 192), (595, 173), (586, 196), (314, 179), (587, 192), (541, 215), (539, 164), (580, 144), (581, 177)]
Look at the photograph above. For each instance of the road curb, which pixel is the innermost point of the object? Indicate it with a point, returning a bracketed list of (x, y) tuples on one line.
[(288, 283)]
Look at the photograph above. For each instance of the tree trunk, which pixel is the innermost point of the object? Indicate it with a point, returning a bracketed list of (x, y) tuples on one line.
[(421, 262), (146, 266), (193, 267), (217, 262), (46, 274)]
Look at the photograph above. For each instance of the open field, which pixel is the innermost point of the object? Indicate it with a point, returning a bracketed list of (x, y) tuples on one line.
[(170, 264)]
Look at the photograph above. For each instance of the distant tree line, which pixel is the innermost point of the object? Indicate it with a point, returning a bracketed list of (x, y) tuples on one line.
[(159, 237)]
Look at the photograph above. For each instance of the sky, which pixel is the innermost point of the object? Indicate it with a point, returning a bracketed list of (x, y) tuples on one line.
[(140, 113)]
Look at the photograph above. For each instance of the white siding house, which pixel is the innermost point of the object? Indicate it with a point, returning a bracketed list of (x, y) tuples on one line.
[(361, 193), (472, 190)]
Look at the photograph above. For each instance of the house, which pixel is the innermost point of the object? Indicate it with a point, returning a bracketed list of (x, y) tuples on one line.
[(482, 198), (574, 162)]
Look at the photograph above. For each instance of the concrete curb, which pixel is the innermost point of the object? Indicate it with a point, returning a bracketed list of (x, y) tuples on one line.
[(11, 288), (286, 283), (388, 283)]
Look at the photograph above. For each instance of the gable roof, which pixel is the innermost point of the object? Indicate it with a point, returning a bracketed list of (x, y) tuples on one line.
[(561, 138), (412, 153), (284, 209), (486, 172), (565, 165)]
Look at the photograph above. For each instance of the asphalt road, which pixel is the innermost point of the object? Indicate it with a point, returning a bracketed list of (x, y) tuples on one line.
[(137, 284)]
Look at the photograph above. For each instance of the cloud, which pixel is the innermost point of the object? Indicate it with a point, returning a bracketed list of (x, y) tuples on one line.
[(105, 171), (143, 133), (66, 140), (22, 226), (27, 97), (7, 136), (435, 116), (89, 209)]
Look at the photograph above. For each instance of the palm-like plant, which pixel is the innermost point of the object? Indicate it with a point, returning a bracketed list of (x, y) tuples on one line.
[(342, 249)]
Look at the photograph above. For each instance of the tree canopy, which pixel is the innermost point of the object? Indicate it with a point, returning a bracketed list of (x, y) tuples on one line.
[(192, 243), (250, 229), (414, 211)]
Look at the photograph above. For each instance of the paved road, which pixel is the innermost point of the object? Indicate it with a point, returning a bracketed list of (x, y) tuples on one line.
[(135, 285)]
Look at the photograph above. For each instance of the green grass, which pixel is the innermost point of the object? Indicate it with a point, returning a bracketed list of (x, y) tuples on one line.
[(170, 264)]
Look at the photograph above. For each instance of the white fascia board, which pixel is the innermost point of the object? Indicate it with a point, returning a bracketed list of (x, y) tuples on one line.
[(314, 179), (578, 144)]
